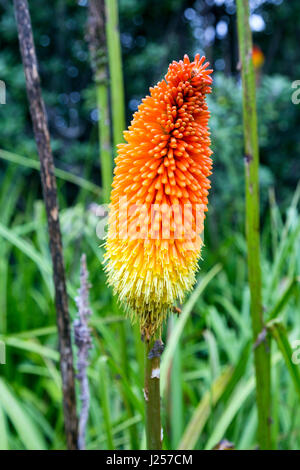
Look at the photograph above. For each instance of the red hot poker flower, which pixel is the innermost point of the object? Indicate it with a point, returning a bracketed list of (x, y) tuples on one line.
[(159, 195)]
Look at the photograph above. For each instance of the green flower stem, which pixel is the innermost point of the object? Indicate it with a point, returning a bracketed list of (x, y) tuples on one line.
[(115, 69), (152, 396), (104, 140), (261, 348)]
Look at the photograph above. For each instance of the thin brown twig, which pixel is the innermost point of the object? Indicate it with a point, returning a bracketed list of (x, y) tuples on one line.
[(83, 342)]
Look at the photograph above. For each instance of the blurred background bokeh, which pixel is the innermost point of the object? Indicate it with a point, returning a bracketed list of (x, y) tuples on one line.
[(153, 34)]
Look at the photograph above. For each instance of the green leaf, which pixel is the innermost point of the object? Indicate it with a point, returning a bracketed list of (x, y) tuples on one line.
[(3, 430), (31, 346), (201, 413), (282, 301), (64, 175), (26, 248), (238, 372), (105, 402), (234, 405), (242, 392), (279, 333), (213, 354)]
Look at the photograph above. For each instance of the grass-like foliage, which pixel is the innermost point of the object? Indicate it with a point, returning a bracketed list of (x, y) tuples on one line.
[(208, 384)]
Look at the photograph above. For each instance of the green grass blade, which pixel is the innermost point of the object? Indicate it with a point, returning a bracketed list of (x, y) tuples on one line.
[(26, 429), (180, 323), (32, 347), (105, 405), (202, 412), (11, 188), (238, 373), (248, 432), (30, 334), (62, 174), (26, 248), (286, 249), (236, 402), (283, 300), (242, 392), (3, 431), (279, 333), (213, 354)]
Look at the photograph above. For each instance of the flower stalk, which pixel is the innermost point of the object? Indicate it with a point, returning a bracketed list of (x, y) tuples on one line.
[(261, 347), (154, 434), (115, 70), (157, 211)]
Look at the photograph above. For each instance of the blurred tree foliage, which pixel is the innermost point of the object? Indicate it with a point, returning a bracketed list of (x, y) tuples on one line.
[(279, 144), (152, 34)]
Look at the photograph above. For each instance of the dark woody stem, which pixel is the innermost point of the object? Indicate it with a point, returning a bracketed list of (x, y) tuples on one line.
[(42, 137)]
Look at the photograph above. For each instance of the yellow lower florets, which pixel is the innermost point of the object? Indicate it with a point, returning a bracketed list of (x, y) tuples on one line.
[(148, 286)]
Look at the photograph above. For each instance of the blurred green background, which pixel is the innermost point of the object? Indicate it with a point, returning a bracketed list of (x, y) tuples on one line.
[(213, 351)]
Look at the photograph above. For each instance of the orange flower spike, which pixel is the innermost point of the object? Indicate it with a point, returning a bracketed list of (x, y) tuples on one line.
[(159, 196)]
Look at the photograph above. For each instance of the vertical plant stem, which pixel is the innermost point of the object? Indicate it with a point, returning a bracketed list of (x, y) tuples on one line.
[(115, 70), (152, 394), (104, 140), (42, 137), (98, 56), (261, 348)]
